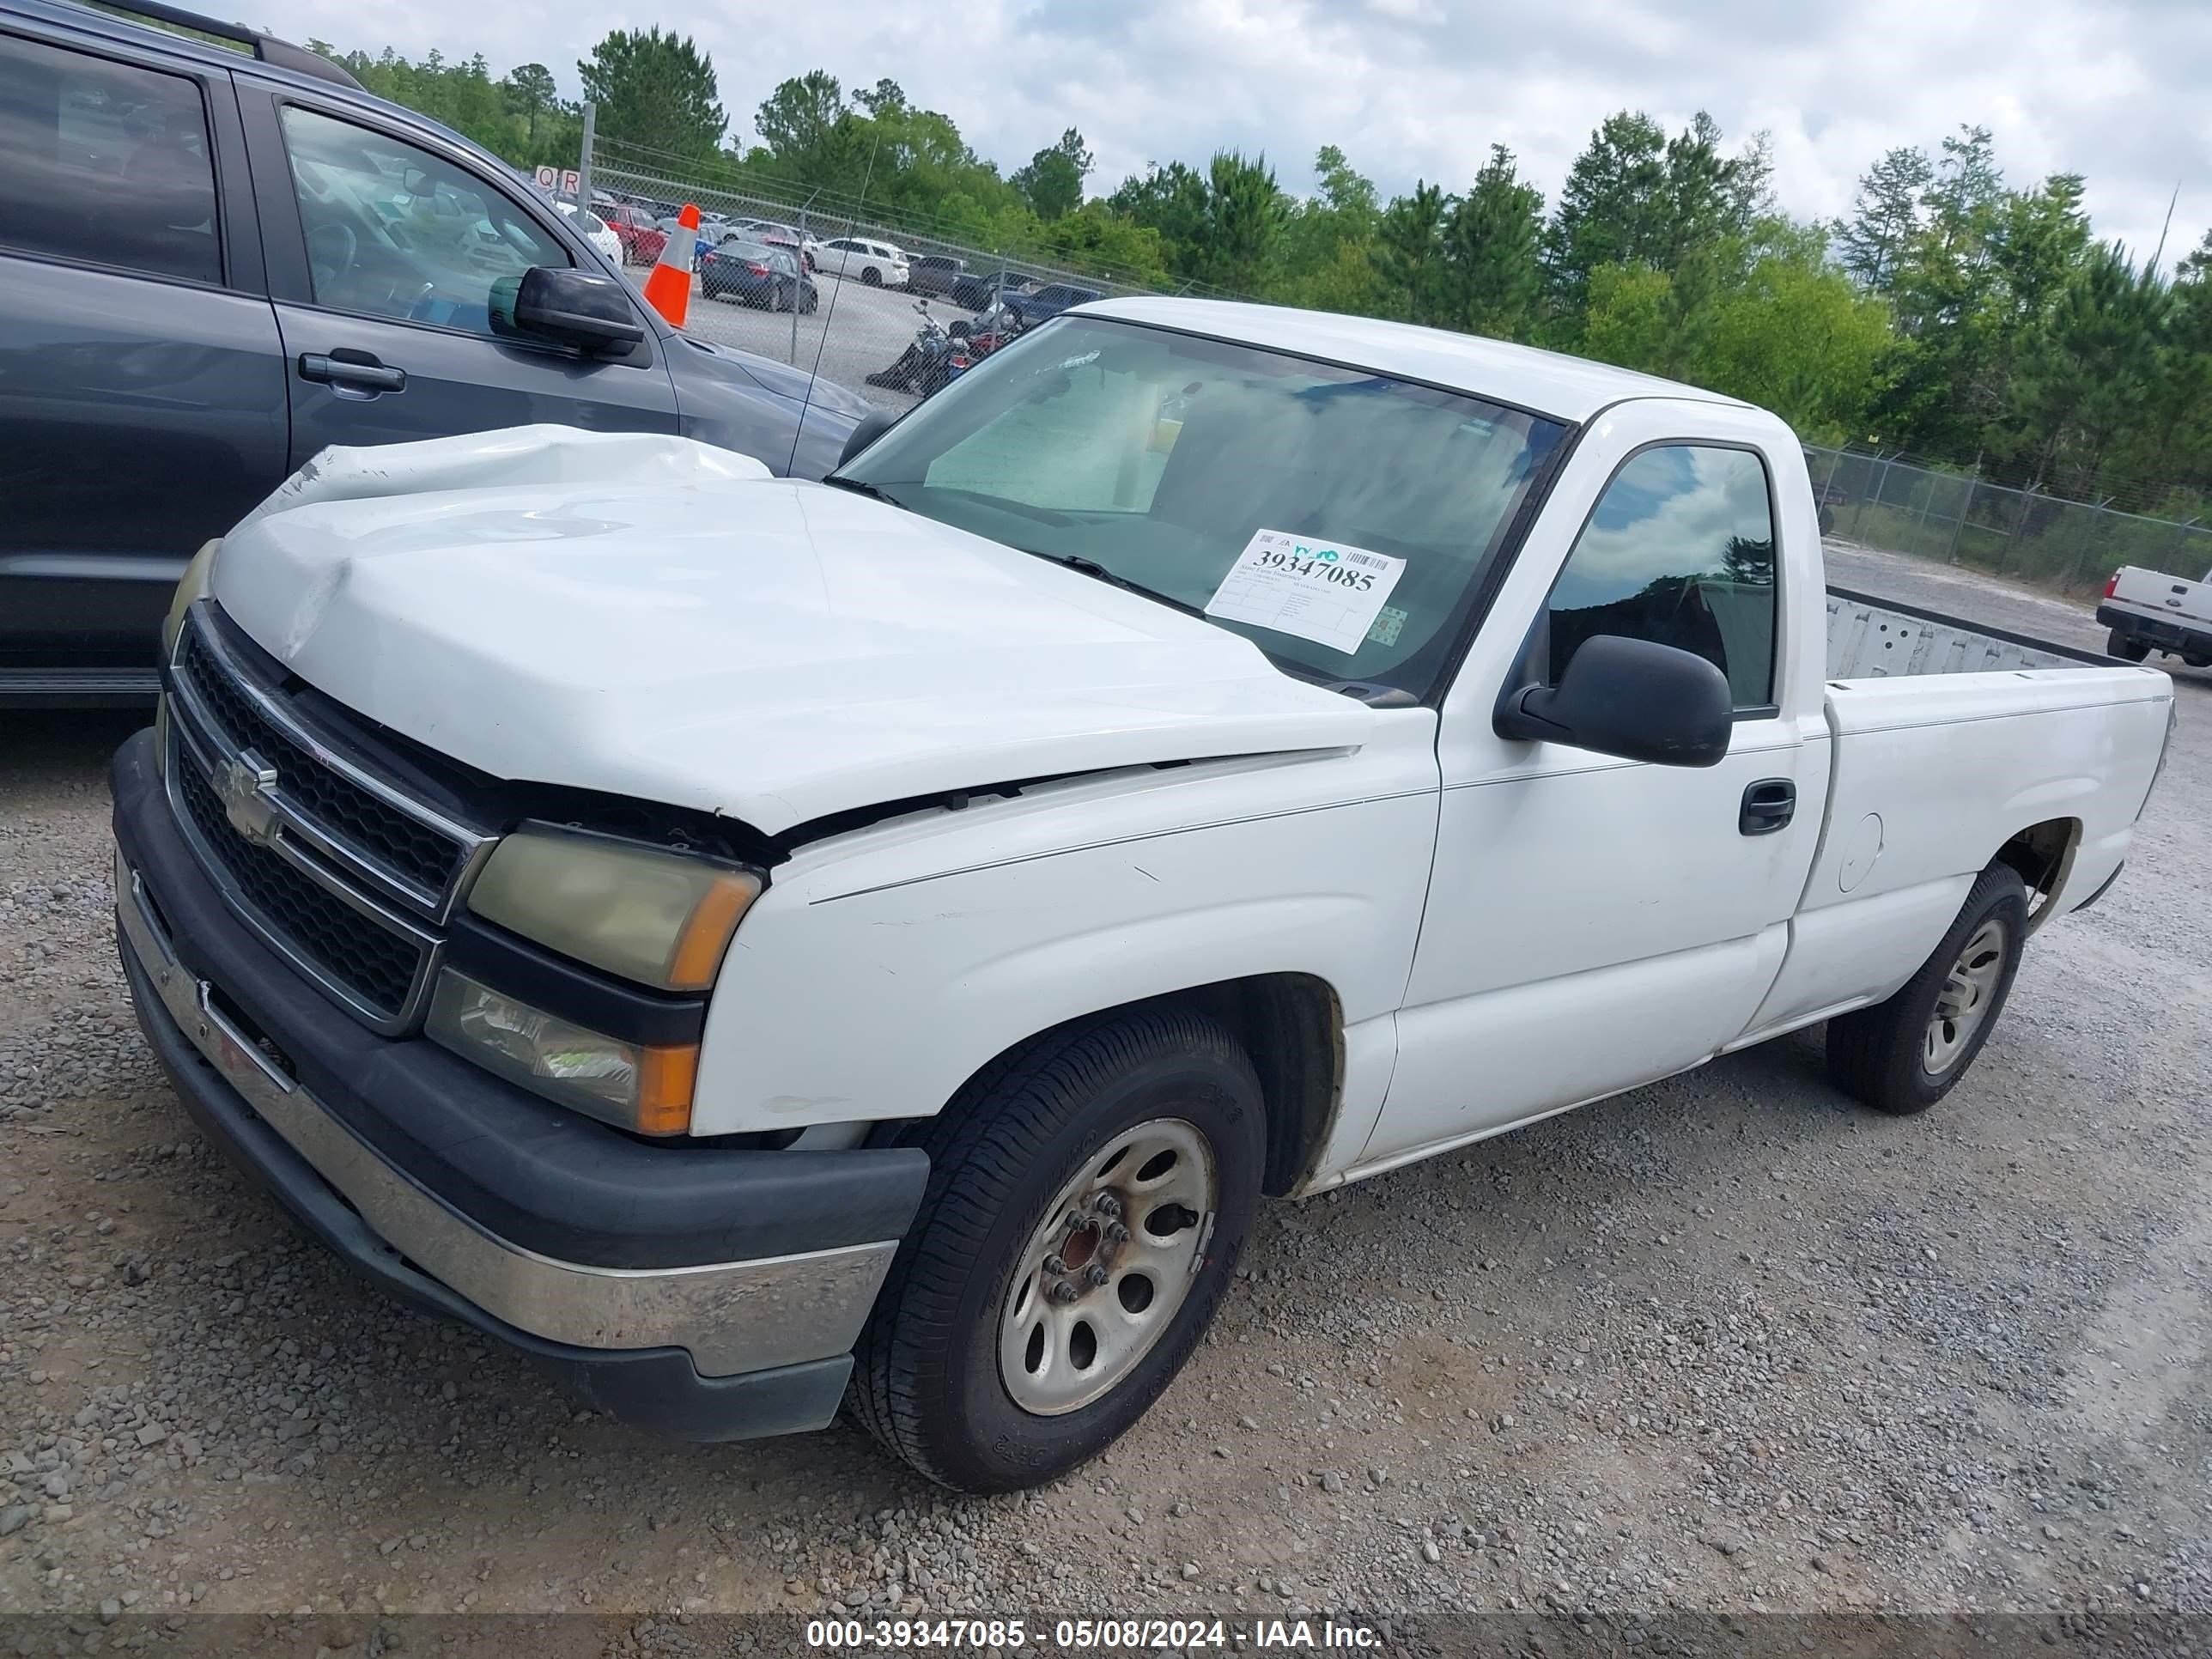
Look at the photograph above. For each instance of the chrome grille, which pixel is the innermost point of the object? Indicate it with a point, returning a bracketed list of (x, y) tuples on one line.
[(379, 966), (336, 869), (416, 853)]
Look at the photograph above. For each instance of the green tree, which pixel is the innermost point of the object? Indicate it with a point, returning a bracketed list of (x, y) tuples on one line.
[(2094, 367), (1608, 209), (1885, 216), (1490, 238), (1409, 253), (656, 91), (1052, 183), (1244, 211), (529, 92), (1324, 252), (797, 121)]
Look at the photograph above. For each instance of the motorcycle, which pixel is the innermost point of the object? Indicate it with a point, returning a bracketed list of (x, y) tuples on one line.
[(995, 327), (934, 358)]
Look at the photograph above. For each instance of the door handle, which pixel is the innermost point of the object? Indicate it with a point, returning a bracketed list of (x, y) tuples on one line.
[(357, 371), (1768, 805)]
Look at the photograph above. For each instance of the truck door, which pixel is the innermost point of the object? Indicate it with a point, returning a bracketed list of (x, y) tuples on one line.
[(1594, 923), (382, 254)]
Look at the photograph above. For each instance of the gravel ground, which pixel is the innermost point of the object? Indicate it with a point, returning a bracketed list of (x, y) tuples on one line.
[(1722, 1344)]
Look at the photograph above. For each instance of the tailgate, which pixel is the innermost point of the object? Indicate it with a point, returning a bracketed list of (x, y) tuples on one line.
[(2162, 595)]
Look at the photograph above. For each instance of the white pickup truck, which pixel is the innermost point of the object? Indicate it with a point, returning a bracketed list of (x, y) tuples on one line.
[(2148, 610), (757, 942)]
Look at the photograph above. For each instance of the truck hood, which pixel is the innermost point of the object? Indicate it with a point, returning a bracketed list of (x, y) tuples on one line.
[(651, 617)]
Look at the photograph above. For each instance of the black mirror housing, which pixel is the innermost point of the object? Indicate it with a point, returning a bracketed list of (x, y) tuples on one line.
[(1635, 699), (866, 430), (578, 309)]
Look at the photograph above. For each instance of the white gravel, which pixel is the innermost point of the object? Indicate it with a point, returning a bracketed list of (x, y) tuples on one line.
[(1724, 1344)]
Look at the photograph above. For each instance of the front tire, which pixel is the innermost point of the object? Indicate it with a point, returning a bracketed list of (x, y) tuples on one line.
[(1903, 1055), (1008, 1345)]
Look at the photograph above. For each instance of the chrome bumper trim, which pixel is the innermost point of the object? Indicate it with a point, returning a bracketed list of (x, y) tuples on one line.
[(731, 1316)]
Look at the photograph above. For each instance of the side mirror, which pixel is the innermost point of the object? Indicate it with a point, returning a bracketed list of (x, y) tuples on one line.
[(570, 308), (1634, 698), (866, 430)]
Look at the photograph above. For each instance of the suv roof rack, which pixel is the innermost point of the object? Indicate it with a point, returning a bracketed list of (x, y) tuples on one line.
[(265, 47)]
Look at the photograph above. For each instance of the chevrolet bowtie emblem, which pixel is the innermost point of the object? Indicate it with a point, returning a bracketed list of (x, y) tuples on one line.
[(246, 785)]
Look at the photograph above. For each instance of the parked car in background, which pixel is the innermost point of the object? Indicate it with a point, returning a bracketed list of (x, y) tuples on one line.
[(2148, 610), (878, 265), (755, 274), (980, 290), (934, 274), (597, 232), (640, 237), (777, 234), (225, 298), (1031, 308)]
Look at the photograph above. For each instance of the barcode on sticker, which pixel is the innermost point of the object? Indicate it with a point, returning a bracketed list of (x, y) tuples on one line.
[(1371, 561)]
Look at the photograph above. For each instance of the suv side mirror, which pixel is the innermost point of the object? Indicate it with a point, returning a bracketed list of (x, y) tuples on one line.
[(570, 308), (1637, 699), (866, 430)]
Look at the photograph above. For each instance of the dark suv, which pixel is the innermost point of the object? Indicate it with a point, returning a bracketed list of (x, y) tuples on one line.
[(213, 264), (934, 273)]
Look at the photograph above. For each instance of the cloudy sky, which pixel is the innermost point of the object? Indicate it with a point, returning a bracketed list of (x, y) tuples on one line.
[(2115, 89)]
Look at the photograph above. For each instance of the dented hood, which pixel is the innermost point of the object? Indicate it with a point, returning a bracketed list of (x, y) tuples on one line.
[(652, 617)]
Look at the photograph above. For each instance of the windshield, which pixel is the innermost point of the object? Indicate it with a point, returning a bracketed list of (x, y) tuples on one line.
[(1338, 517)]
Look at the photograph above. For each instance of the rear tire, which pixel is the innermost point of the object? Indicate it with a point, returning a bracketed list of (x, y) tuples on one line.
[(1903, 1055), (968, 1315), (2126, 646), (2195, 659), (870, 277)]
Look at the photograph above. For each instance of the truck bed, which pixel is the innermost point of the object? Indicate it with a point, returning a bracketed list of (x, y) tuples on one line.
[(1873, 639)]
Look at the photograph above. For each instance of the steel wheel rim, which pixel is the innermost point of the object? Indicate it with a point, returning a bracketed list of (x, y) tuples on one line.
[(1962, 1006), (1089, 1301)]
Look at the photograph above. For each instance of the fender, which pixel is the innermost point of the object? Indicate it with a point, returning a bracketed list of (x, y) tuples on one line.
[(883, 968)]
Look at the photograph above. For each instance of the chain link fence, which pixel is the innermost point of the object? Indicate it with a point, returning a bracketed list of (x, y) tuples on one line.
[(888, 309), (2071, 546)]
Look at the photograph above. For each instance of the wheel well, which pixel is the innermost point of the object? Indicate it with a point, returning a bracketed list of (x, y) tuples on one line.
[(1293, 1027), (2042, 855)]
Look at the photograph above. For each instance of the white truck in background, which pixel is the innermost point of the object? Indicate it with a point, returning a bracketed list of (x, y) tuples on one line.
[(2148, 610), (757, 942)]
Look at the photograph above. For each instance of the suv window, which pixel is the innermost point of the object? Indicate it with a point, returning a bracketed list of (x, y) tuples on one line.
[(1680, 550), (396, 232), (104, 162)]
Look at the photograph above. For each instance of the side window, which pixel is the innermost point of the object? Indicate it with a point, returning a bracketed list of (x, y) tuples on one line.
[(104, 162), (396, 232), (1681, 551)]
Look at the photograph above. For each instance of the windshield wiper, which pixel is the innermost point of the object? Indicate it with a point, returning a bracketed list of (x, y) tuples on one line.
[(871, 492), (1093, 568)]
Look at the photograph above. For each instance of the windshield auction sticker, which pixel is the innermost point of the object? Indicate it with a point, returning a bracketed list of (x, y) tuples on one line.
[(1320, 591)]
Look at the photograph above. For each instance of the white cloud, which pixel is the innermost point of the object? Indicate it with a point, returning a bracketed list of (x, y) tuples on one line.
[(1422, 88)]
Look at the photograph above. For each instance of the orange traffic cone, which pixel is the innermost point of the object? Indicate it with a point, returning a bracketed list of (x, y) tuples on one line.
[(668, 290)]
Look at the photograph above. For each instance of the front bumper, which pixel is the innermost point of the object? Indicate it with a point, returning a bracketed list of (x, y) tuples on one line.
[(652, 1327)]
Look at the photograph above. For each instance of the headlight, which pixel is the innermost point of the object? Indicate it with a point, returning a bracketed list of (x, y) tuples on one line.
[(633, 1085), (660, 918), (190, 586)]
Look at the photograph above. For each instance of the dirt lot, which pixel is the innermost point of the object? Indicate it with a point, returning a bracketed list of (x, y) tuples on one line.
[(1724, 1343)]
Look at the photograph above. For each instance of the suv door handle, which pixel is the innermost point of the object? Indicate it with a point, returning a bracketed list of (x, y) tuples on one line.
[(357, 371), (1768, 805)]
